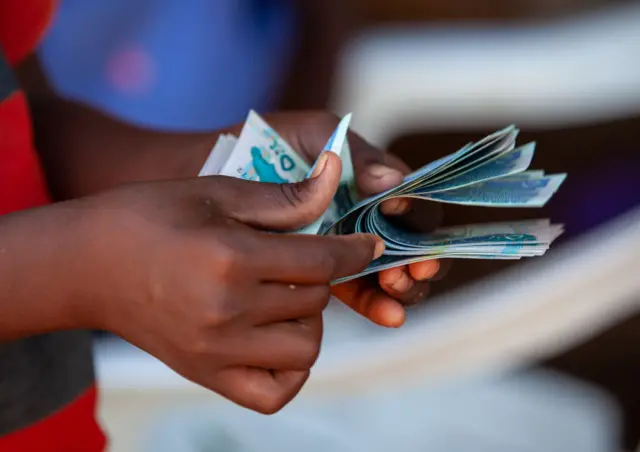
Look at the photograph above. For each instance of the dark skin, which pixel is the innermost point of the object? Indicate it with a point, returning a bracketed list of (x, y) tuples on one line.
[(324, 27), (176, 268), (181, 266), (85, 151)]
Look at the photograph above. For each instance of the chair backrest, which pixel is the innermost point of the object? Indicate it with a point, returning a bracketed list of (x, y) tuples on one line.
[(397, 80)]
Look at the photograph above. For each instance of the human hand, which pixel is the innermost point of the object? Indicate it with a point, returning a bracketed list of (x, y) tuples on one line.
[(382, 301), (185, 270)]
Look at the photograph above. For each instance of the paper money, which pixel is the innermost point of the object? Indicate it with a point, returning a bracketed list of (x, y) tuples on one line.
[(338, 145), (259, 154), (492, 172)]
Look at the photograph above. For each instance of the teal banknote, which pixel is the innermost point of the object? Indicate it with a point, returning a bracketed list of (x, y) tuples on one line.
[(260, 154)]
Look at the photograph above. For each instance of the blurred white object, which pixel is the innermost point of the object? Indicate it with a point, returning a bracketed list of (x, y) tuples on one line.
[(536, 412), (403, 79)]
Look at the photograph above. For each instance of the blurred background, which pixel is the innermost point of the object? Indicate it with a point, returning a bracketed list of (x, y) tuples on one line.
[(541, 357)]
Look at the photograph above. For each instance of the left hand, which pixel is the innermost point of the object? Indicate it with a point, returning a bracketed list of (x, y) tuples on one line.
[(88, 152), (382, 301)]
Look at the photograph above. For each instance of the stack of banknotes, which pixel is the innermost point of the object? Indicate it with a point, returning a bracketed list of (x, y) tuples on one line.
[(492, 172)]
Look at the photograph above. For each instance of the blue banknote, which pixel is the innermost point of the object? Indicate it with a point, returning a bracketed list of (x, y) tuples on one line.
[(492, 172)]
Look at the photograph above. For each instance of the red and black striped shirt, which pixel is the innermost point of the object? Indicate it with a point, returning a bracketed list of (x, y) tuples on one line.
[(47, 391)]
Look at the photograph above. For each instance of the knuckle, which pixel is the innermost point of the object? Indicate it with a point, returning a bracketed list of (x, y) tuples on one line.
[(327, 265), (291, 195), (220, 313), (309, 353), (227, 259), (319, 297), (198, 346)]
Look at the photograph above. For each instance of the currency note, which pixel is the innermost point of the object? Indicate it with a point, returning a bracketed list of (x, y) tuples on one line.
[(261, 155), (492, 172)]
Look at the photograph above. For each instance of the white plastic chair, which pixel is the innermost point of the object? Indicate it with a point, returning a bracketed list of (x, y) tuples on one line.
[(575, 70)]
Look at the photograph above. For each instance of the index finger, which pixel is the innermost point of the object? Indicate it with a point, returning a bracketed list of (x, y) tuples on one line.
[(311, 259), (366, 298), (377, 171)]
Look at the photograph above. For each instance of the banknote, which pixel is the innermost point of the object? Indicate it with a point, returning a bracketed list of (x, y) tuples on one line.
[(259, 154), (492, 172), (509, 163), (216, 160), (502, 192), (336, 144)]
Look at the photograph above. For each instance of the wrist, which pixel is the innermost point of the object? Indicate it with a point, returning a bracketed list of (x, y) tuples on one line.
[(39, 271)]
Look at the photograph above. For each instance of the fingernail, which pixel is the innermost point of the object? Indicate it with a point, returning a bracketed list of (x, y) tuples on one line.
[(379, 249), (384, 173), (320, 164)]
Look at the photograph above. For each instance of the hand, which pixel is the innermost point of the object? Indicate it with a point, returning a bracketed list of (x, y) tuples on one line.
[(382, 302), (183, 270)]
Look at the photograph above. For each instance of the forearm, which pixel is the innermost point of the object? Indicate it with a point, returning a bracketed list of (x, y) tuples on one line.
[(36, 268), (85, 151), (325, 27)]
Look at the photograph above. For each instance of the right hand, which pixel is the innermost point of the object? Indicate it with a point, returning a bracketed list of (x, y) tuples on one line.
[(185, 271)]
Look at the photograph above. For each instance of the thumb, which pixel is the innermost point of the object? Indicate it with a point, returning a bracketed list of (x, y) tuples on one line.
[(284, 207)]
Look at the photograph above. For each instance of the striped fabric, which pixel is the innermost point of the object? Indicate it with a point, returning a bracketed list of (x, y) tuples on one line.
[(47, 394)]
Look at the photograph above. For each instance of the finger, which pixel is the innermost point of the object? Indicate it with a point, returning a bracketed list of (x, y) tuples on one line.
[(421, 271), (370, 301), (376, 170), (414, 215), (280, 207), (424, 216), (379, 172), (283, 302), (396, 206), (396, 280), (443, 269), (399, 283), (258, 389), (309, 259), (312, 129), (290, 345)]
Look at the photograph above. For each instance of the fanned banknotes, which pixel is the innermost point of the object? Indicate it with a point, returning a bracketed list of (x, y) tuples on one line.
[(492, 172)]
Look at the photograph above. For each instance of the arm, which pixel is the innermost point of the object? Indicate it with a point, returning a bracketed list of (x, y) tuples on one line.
[(175, 268), (84, 151), (36, 256), (324, 27)]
